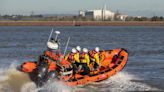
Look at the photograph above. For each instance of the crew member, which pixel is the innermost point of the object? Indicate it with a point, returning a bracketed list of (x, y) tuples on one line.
[(94, 56), (84, 62), (84, 57), (73, 57)]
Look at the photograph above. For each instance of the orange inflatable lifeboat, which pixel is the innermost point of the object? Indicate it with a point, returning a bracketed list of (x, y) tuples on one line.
[(112, 61)]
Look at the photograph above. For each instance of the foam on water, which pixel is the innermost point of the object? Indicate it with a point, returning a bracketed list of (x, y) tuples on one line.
[(12, 80), (54, 86), (121, 82), (57, 86)]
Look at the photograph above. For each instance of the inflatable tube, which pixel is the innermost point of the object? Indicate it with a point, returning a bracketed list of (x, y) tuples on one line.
[(28, 66)]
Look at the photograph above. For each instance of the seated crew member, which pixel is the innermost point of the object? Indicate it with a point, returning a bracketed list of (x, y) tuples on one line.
[(73, 57), (94, 56), (85, 61), (84, 57), (78, 48)]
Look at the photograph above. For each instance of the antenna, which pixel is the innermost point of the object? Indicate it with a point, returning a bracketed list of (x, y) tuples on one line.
[(66, 46), (50, 34)]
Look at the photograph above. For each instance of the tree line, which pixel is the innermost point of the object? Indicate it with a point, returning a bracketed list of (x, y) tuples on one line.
[(70, 18), (154, 18)]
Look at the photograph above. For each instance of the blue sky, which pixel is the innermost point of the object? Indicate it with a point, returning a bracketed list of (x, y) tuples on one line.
[(130, 7)]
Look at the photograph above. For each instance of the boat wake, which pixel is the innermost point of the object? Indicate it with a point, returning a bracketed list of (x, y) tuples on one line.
[(12, 80), (121, 82)]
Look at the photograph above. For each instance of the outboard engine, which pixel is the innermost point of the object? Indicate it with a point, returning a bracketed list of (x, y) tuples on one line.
[(44, 74), (51, 76), (42, 71)]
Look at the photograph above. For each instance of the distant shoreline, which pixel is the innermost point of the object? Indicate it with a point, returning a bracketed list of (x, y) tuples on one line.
[(81, 23)]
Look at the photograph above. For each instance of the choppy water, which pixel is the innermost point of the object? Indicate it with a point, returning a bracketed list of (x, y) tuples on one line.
[(143, 72)]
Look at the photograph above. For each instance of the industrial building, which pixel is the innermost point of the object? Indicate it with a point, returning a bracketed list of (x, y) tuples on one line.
[(102, 14)]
